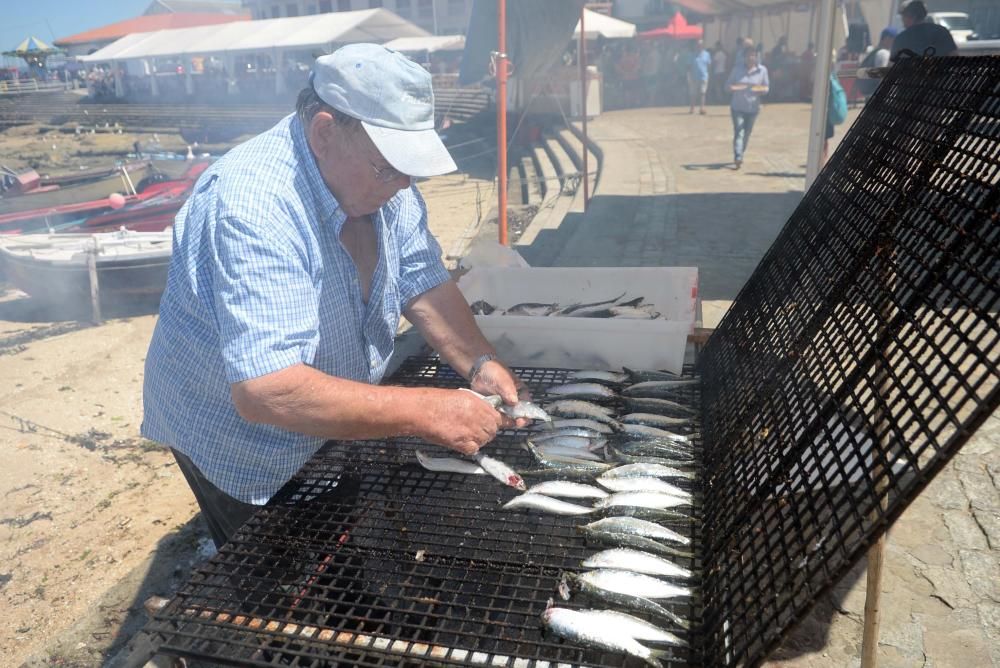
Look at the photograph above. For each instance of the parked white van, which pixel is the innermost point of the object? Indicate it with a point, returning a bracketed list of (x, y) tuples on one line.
[(957, 23)]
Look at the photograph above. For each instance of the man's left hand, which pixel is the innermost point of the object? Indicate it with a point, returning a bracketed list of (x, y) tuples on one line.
[(494, 377)]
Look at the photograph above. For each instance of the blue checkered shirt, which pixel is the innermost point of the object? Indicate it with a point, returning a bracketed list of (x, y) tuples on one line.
[(258, 282)]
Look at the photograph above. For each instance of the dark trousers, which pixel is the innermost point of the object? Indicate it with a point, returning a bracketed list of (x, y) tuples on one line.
[(742, 127), (223, 514)]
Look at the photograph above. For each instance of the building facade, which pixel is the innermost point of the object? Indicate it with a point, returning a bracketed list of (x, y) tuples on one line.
[(441, 17)]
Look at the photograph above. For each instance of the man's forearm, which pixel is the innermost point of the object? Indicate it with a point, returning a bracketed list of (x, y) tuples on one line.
[(308, 401), (443, 317)]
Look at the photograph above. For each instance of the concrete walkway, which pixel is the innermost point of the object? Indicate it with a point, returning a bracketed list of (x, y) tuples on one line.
[(668, 196)]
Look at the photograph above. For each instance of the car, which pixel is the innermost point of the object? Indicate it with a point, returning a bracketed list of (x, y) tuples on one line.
[(957, 23)]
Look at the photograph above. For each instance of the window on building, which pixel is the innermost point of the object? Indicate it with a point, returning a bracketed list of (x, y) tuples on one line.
[(425, 9), (344, 5), (292, 8), (325, 6), (403, 7)]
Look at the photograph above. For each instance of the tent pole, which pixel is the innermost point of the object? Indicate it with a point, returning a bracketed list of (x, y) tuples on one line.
[(501, 75), (582, 58), (821, 90)]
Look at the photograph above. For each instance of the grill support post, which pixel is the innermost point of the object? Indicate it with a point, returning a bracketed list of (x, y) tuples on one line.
[(873, 594)]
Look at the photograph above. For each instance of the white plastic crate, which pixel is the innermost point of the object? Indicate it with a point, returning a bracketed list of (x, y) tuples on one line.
[(591, 343)]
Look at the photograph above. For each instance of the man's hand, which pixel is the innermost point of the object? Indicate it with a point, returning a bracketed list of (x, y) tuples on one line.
[(494, 377), (460, 421)]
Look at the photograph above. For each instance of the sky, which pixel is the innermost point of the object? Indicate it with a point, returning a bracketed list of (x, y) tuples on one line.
[(49, 20)]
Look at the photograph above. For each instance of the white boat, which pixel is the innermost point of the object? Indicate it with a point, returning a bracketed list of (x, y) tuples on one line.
[(56, 267)]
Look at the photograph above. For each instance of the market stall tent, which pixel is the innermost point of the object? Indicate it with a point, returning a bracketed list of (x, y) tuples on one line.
[(601, 25), (677, 28)]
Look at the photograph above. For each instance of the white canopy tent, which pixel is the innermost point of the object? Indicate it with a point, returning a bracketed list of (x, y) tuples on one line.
[(601, 25), (304, 33), (430, 44)]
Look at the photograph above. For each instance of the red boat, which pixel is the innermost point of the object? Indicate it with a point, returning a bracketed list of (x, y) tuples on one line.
[(150, 210)]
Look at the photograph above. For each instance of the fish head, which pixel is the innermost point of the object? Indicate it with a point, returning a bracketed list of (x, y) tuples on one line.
[(516, 481), (563, 588)]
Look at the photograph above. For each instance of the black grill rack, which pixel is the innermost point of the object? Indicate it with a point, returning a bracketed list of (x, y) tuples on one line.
[(861, 354), (366, 559)]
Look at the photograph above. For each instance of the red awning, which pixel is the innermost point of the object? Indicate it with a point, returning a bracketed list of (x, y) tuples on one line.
[(678, 28)]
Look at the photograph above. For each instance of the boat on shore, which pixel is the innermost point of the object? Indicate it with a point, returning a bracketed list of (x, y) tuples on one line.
[(55, 268)]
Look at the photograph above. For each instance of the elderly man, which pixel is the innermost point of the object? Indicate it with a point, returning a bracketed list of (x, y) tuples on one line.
[(919, 35), (293, 260)]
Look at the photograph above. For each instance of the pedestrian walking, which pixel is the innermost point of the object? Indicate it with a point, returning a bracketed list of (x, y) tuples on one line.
[(699, 62), (719, 69), (747, 82)]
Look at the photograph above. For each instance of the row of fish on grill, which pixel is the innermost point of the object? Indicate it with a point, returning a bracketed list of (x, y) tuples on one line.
[(622, 307), (630, 473)]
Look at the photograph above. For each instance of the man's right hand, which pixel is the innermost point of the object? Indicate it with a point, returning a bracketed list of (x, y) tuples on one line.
[(459, 421)]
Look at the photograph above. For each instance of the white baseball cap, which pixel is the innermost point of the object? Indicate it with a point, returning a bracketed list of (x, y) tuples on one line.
[(392, 97)]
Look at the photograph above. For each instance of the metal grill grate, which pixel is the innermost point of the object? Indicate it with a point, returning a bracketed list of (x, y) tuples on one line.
[(859, 357), (328, 572)]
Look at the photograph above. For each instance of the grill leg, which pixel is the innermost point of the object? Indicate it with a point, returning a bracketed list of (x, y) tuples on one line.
[(869, 643)]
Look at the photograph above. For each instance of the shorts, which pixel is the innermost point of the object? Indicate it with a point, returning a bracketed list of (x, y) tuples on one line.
[(697, 87)]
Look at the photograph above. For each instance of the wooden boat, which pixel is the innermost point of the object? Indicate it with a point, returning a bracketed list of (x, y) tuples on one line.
[(56, 267)]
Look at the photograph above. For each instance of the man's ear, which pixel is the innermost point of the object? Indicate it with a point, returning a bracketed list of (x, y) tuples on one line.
[(322, 130)]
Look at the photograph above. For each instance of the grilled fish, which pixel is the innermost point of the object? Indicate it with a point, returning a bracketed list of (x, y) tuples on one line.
[(647, 432), (449, 464), (658, 389), (482, 307), (647, 470), (642, 543), (657, 406), (501, 471), (547, 504), (644, 484), (654, 420), (627, 559), (583, 391), (522, 409), (567, 489), (654, 500), (575, 626), (609, 378), (619, 588), (581, 423), (645, 376), (573, 408), (637, 527), (531, 308), (632, 626)]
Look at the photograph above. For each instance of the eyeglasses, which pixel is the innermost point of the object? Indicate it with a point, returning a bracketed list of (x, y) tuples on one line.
[(386, 174)]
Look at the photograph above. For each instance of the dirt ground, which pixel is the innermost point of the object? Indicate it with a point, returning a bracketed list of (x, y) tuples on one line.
[(93, 513)]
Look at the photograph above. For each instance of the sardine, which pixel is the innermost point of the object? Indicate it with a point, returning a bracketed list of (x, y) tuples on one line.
[(547, 504), (644, 376), (612, 587), (647, 470), (501, 471), (633, 626), (572, 408), (567, 489), (658, 406), (647, 432), (635, 584), (560, 440), (573, 432), (645, 484), (581, 423), (634, 561), (575, 626), (631, 540), (658, 389), (583, 391), (576, 307), (654, 420), (549, 449), (531, 308), (481, 307), (655, 448), (449, 464), (654, 500), (639, 527), (522, 409), (673, 460), (561, 462), (610, 378)]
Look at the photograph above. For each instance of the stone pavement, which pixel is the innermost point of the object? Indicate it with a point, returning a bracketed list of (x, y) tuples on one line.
[(668, 196)]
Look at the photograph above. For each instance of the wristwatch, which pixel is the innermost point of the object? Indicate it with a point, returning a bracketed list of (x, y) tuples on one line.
[(478, 364)]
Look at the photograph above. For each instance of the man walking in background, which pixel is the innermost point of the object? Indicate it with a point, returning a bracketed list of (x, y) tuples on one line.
[(747, 82), (698, 66)]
